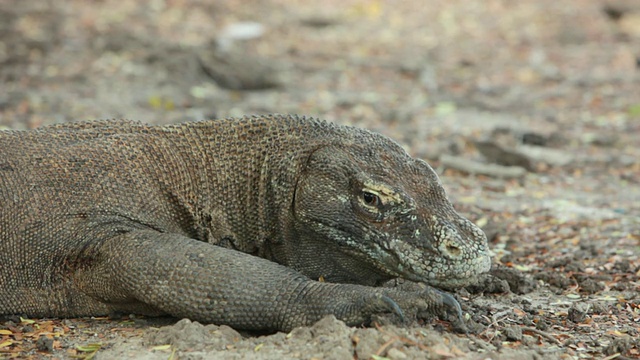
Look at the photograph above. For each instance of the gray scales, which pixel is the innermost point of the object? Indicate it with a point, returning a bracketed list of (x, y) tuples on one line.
[(264, 222)]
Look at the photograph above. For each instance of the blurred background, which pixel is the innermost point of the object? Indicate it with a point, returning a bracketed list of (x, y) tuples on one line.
[(374, 63)]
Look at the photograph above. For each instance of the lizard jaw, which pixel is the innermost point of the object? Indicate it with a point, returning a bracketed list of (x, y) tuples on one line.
[(434, 270)]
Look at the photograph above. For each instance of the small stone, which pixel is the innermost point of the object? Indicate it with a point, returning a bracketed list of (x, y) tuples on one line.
[(600, 139), (541, 324), (396, 354), (578, 312), (502, 155), (244, 30), (513, 333), (44, 344), (28, 329)]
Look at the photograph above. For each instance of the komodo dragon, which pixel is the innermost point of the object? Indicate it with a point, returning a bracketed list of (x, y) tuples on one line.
[(234, 221)]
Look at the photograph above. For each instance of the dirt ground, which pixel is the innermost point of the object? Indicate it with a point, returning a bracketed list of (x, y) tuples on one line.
[(529, 110)]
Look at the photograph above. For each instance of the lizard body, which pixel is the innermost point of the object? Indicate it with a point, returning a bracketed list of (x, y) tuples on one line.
[(225, 221)]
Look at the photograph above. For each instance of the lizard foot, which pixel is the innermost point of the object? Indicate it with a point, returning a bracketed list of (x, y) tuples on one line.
[(404, 305), (428, 303)]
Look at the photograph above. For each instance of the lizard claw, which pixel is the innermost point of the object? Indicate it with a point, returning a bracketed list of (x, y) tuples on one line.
[(379, 303), (395, 309), (451, 303), (367, 306)]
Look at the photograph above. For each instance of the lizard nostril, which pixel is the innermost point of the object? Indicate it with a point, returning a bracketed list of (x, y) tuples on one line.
[(453, 249)]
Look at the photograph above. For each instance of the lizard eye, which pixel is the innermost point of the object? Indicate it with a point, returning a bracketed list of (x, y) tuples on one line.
[(370, 198)]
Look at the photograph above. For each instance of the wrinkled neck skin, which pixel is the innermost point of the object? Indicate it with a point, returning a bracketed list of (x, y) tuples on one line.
[(248, 184), (322, 258)]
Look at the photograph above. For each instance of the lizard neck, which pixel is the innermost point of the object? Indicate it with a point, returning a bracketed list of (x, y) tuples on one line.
[(245, 175)]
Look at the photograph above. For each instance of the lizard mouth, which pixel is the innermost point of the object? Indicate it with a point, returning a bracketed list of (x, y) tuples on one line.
[(437, 271), (454, 284), (459, 274)]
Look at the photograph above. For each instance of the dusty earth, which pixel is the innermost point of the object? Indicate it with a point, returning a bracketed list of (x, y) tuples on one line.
[(530, 111)]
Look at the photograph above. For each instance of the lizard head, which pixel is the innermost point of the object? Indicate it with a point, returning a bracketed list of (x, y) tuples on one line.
[(366, 212)]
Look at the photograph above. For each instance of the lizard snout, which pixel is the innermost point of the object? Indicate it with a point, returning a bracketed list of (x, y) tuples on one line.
[(460, 240)]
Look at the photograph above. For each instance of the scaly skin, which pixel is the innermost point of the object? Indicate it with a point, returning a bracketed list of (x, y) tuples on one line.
[(225, 221)]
